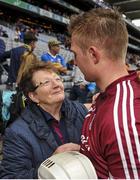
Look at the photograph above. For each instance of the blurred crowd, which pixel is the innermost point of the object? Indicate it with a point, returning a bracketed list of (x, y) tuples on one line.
[(49, 8), (133, 59)]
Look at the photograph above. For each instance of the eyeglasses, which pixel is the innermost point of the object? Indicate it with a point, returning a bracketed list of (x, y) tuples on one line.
[(48, 82)]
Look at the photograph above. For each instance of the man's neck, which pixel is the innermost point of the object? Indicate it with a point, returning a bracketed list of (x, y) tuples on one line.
[(110, 75), (52, 53)]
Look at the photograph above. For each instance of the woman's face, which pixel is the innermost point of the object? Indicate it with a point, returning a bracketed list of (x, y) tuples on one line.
[(49, 88)]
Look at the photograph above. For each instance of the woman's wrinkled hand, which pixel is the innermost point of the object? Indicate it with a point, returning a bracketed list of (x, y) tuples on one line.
[(67, 147)]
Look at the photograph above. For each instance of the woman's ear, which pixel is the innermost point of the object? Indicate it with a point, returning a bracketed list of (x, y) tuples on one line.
[(94, 54), (33, 97)]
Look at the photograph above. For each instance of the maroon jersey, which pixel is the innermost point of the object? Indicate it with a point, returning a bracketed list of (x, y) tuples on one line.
[(111, 131)]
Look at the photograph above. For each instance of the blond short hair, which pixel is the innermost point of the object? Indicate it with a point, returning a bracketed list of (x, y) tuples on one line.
[(105, 28)]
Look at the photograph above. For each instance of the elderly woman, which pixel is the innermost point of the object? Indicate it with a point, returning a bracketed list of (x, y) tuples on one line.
[(49, 124)]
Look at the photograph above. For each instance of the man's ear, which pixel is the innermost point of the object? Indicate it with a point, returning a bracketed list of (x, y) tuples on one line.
[(94, 54), (33, 97)]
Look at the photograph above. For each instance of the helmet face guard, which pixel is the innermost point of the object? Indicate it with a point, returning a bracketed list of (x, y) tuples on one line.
[(67, 165)]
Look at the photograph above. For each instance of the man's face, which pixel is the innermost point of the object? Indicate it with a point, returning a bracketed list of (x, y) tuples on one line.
[(81, 58), (56, 49)]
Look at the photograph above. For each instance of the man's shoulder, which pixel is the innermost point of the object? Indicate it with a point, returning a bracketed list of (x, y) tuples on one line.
[(2, 42), (59, 56), (18, 49), (46, 56)]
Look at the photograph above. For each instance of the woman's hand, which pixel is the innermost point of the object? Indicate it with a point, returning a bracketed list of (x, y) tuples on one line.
[(67, 147)]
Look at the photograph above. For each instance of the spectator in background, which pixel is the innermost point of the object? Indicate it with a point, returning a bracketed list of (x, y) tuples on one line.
[(3, 33), (2, 50), (49, 124), (70, 64), (2, 47), (79, 90), (67, 42), (17, 34), (1, 30), (82, 90), (16, 53), (111, 130), (53, 54)]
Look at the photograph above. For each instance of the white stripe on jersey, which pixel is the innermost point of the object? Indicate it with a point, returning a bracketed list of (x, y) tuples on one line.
[(126, 130), (136, 137), (119, 140)]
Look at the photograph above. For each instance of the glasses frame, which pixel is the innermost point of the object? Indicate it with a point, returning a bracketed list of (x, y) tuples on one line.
[(45, 83)]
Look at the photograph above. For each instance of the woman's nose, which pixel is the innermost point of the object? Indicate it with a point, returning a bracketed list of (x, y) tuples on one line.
[(55, 82)]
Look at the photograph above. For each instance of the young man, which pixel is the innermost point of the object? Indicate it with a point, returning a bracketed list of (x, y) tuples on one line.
[(111, 130)]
